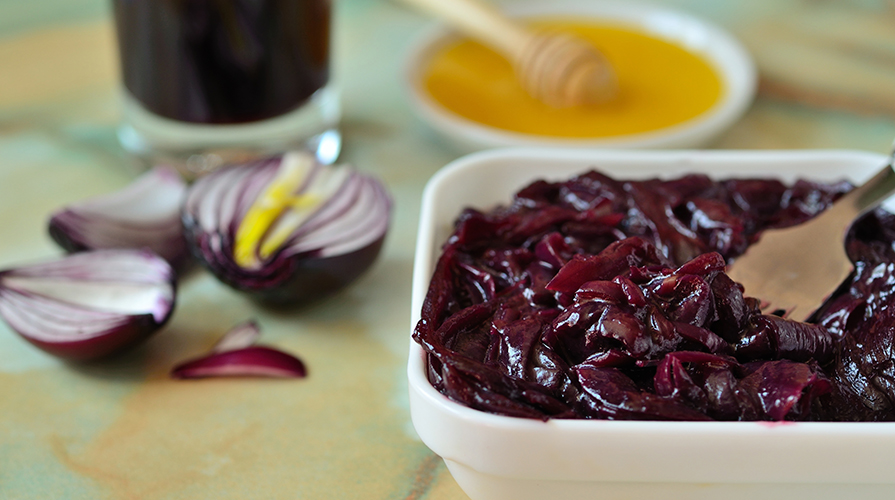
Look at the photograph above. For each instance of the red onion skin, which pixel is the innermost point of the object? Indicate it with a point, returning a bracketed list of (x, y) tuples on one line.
[(247, 362), (312, 279), (308, 278), (102, 346), (62, 238)]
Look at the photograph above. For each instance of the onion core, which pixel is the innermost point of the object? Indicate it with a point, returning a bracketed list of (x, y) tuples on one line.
[(287, 229)]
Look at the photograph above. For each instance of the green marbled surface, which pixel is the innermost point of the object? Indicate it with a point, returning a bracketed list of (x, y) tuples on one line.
[(122, 429)]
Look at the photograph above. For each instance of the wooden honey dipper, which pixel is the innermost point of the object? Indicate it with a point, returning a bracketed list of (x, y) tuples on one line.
[(558, 69)]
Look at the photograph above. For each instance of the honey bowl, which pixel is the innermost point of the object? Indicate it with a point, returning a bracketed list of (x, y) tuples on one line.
[(682, 82)]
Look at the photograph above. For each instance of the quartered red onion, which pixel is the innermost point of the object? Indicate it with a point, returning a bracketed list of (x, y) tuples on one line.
[(287, 229), (145, 214), (90, 304), (236, 355)]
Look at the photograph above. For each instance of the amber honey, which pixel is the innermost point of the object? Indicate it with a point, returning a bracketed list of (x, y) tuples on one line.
[(661, 84)]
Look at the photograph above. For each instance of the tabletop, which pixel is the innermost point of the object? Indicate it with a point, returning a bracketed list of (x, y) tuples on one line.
[(123, 429)]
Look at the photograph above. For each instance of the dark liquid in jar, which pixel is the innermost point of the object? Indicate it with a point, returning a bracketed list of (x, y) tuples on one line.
[(223, 61)]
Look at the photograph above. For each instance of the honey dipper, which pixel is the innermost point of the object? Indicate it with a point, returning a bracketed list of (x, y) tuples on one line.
[(556, 68)]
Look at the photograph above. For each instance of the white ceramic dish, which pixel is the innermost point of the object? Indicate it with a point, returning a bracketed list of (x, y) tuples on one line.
[(720, 49), (495, 457)]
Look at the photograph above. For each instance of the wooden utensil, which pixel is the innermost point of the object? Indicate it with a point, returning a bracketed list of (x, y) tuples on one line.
[(796, 269), (558, 69)]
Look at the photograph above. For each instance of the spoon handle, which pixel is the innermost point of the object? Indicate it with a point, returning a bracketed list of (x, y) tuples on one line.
[(862, 198), (480, 21)]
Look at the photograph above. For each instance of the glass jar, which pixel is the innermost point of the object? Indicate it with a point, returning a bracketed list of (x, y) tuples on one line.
[(207, 82)]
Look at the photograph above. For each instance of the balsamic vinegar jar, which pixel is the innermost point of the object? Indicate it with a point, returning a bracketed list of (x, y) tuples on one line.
[(212, 81)]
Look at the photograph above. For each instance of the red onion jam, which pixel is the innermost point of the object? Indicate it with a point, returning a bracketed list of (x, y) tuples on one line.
[(598, 298)]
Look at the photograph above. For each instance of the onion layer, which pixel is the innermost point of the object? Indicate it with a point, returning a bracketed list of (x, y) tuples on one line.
[(90, 304), (287, 229), (145, 214), (235, 355)]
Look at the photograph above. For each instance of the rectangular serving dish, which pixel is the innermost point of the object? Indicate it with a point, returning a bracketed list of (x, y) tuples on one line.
[(495, 457)]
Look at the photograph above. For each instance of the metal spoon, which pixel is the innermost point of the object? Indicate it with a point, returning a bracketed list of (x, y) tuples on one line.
[(796, 269)]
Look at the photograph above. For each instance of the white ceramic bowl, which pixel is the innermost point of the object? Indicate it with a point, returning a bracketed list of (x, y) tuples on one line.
[(495, 457), (729, 59)]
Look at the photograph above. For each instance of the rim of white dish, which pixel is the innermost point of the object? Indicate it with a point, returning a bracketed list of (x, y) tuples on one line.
[(721, 50)]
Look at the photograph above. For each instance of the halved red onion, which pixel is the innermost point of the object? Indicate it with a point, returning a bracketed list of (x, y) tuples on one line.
[(235, 355), (90, 304), (145, 214), (287, 229)]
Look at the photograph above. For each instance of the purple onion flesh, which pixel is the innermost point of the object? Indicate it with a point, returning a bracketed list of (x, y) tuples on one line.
[(144, 214), (239, 337), (287, 229), (235, 355), (90, 304)]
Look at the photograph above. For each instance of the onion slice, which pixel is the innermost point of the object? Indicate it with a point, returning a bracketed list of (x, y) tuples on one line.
[(235, 355), (90, 304), (144, 214), (287, 229), (239, 337)]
